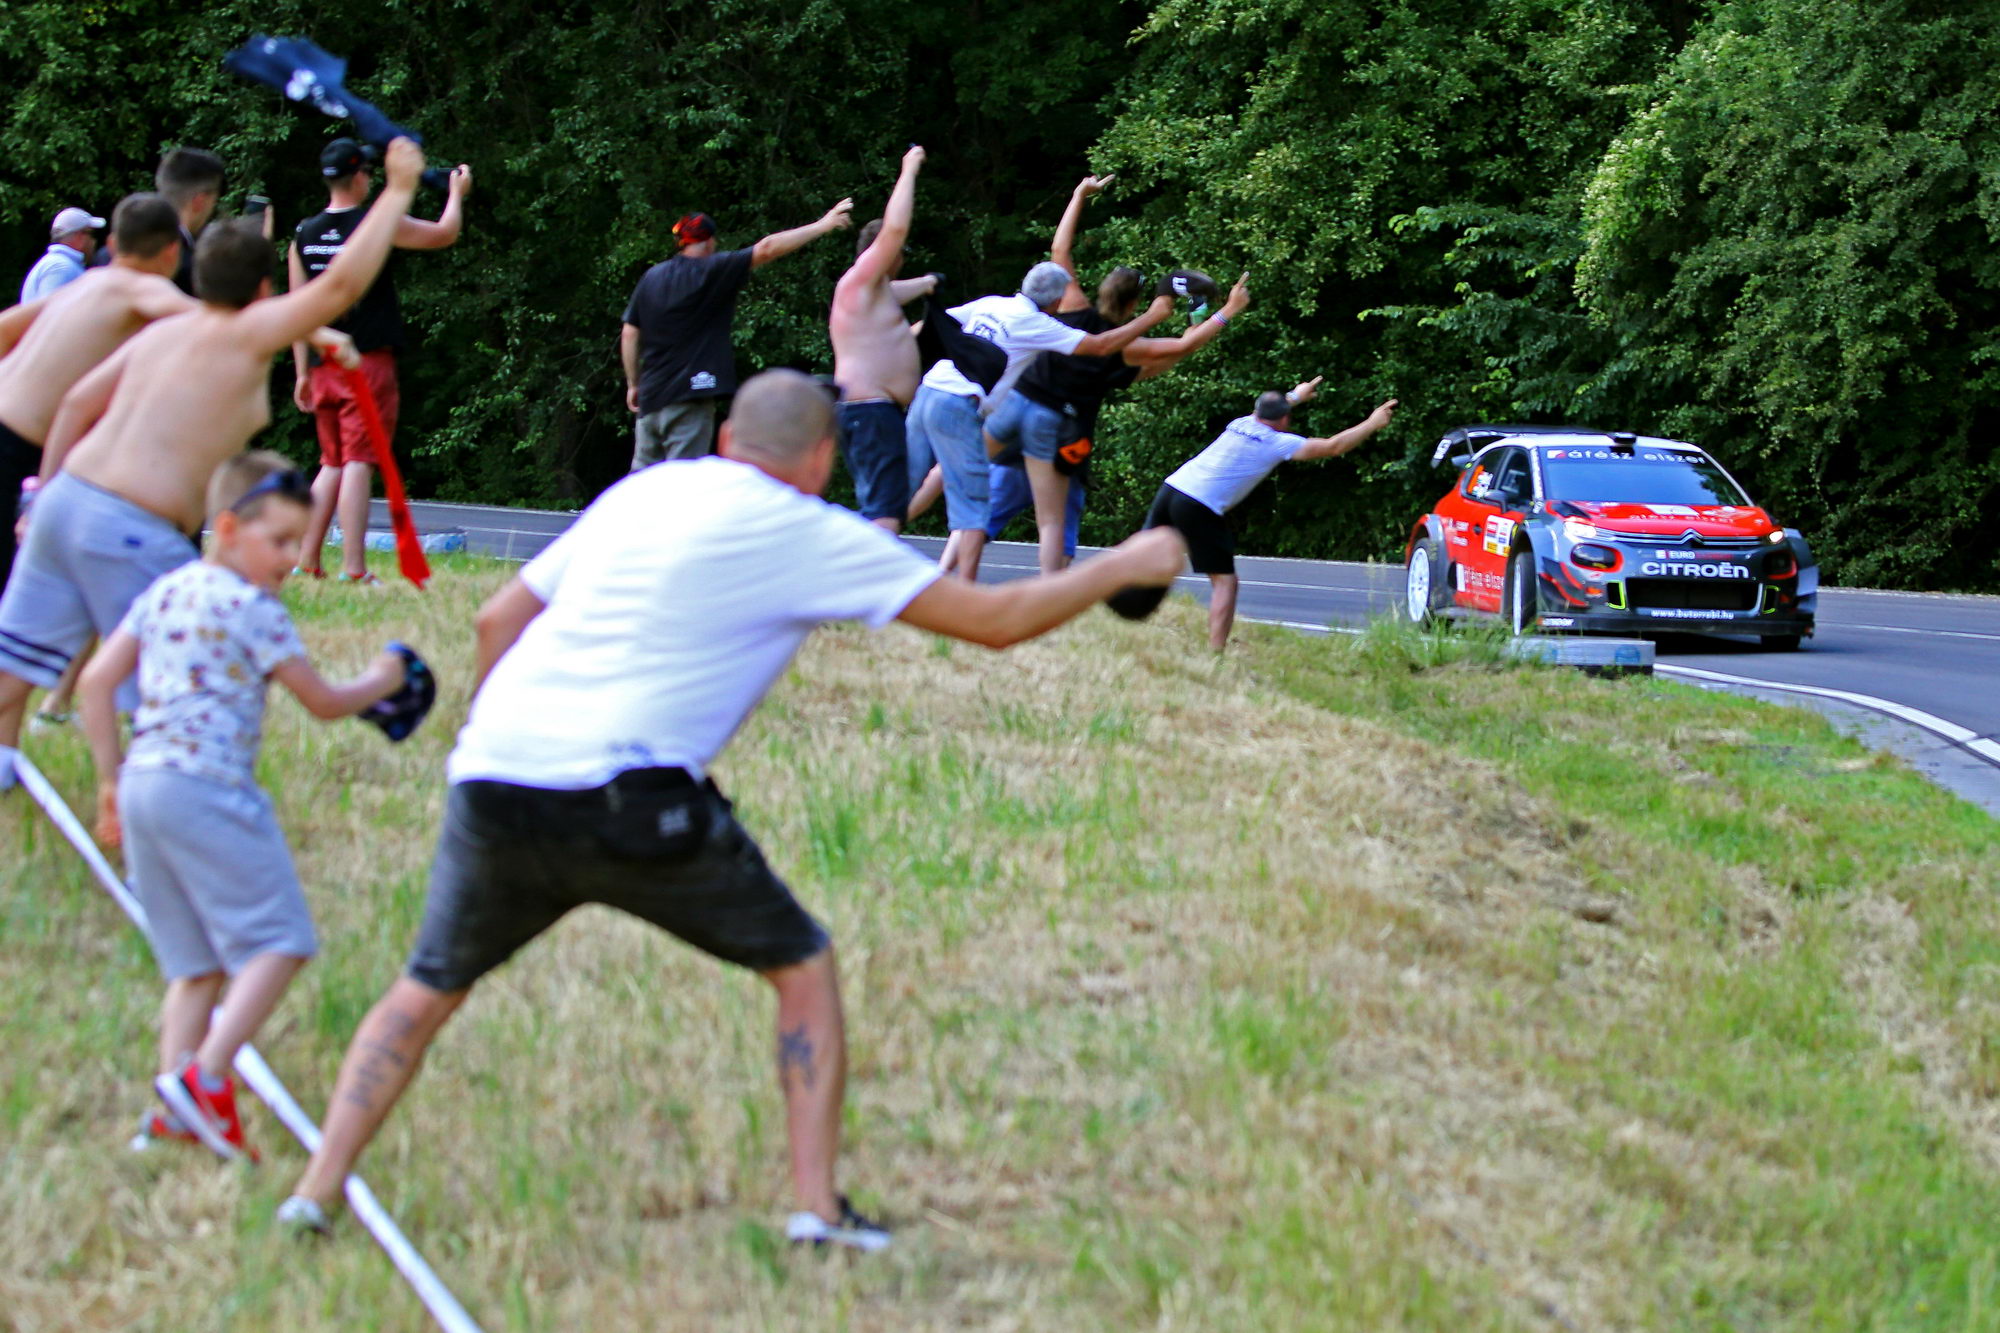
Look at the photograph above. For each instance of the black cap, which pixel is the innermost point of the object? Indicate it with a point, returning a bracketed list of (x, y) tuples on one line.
[(344, 157)]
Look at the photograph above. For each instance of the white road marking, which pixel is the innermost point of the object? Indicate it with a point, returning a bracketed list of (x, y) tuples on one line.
[(1908, 629), (1964, 737)]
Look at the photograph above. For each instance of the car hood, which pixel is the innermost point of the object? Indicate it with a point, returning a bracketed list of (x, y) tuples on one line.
[(1672, 520)]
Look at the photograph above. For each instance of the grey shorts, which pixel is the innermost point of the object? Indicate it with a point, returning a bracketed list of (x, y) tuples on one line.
[(211, 868), (88, 556), (653, 842), (681, 430), (946, 427)]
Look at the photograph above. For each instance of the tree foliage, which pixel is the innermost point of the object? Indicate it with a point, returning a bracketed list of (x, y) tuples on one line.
[(1765, 225)]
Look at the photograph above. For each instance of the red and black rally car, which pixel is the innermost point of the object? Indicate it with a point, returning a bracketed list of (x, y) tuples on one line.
[(1564, 528)]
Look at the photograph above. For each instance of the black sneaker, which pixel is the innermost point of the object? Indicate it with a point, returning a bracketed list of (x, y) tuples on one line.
[(852, 1230)]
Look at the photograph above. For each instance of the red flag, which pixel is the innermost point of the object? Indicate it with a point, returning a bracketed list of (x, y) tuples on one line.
[(409, 548)]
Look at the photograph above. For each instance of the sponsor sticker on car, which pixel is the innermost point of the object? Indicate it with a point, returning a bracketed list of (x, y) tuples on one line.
[(1499, 535), (1691, 570)]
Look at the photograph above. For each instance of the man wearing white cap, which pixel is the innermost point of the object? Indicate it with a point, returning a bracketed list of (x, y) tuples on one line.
[(71, 244)]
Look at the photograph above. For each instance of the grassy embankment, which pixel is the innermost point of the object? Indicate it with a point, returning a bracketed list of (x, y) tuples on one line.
[(1336, 984)]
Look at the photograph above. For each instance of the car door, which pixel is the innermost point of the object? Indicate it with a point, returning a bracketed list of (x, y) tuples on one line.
[(1463, 513), (1495, 492)]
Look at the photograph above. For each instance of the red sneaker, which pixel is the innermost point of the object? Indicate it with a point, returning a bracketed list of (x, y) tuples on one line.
[(211, 1115), (156, 1128)]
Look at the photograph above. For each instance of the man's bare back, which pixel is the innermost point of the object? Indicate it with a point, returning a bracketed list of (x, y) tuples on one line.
[(77, 327), (874, 350), (154, 422)]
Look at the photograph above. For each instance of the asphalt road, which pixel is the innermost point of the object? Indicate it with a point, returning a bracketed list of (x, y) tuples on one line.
[(1913, 672)]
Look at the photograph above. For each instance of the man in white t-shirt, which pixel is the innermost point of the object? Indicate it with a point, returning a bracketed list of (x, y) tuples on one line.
[(614, 671), (1193, 500), (944, 424)]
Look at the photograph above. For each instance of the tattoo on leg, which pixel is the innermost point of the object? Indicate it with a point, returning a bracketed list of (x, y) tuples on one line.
[(795, 1051)]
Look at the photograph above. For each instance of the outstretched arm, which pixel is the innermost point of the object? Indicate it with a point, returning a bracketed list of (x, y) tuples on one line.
[(999, 615), (417, 234), (781, 243), (282, 320), (15, 323), (1118, 339), (1062, 249), (80, 409), (906, 290), (1333, 446), (327, 701), (500, 622), (1156, 356)]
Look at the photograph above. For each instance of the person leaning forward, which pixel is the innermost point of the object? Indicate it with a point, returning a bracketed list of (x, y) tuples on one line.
[(583, 772), (675, 341)]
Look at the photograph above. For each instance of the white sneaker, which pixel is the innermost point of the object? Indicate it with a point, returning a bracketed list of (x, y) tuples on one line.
[(852, 1230), (302, 1217)]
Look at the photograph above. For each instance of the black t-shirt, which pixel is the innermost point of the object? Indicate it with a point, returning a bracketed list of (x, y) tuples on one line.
[(184, 274), (1077, 384), (682, 309), (376, 320)]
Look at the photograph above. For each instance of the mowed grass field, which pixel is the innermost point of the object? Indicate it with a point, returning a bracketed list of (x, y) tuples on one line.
[(1332, 984)]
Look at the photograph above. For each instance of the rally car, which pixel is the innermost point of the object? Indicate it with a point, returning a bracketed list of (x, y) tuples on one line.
[(1565, 528)]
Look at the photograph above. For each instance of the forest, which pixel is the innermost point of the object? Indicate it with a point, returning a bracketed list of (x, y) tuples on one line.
[(1771, 227)]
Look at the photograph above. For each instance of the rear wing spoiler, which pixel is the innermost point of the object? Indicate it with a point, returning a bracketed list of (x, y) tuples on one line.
[(1461, 442)]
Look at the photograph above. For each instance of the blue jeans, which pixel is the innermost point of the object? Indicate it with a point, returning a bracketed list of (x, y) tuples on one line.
[(1025, 428), (945, 427), (1010, 494)]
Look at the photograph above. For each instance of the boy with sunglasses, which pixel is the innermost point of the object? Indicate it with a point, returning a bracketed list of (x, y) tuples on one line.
[(223, 904)]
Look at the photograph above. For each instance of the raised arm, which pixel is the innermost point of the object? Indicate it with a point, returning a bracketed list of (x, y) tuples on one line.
[(906, 290), (283, 320), (417, 234), (781, 243), (1062, 248), (81, 408), (999, 615), (16, 321), (1333, 446), (879, 260), (327, 701), (1118, 339), (1156, 356), (96, 695)]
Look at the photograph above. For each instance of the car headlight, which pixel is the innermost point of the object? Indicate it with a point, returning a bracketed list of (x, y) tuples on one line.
[(1775, 537), (1580, 531)]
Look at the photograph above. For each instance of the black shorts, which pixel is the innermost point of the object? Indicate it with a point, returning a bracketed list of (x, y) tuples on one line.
[(1211, 545), (19, 460), (872, 439), (652, 842)]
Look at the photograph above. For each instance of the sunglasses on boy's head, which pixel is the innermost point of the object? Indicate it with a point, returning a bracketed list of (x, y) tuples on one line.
[(291, 484)]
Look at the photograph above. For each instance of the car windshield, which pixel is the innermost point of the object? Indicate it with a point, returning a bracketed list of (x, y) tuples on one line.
[(1647, 476)]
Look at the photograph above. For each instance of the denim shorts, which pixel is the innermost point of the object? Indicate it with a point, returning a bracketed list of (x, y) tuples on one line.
[(652, 842), (1026, 429), (945, 427), (877, 452)]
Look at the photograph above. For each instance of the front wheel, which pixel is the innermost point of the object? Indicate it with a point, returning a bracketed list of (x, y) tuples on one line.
[(1523, 599), (1421, 584)]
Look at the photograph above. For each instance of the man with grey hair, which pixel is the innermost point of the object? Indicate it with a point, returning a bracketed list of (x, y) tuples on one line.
[(72, 241), (583, 772), (945, 418)]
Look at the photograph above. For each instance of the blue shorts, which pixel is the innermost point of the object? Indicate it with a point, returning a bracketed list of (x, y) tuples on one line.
[(945, 427), (873, 442), (1009, 494), (1026, 429)]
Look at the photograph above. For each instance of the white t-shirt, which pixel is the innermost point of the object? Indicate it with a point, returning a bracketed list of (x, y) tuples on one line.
[(673, 604), (1229, 469), (1019, 326)]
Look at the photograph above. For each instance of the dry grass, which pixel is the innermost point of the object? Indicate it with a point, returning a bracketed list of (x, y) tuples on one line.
[(1325, 986)]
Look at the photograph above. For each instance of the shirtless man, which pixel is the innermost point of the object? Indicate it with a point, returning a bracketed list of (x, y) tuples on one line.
[(48, 345), (875, 357), (127, 462)]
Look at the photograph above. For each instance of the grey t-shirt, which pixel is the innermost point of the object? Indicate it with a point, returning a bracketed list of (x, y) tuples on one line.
[(208, 641)]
